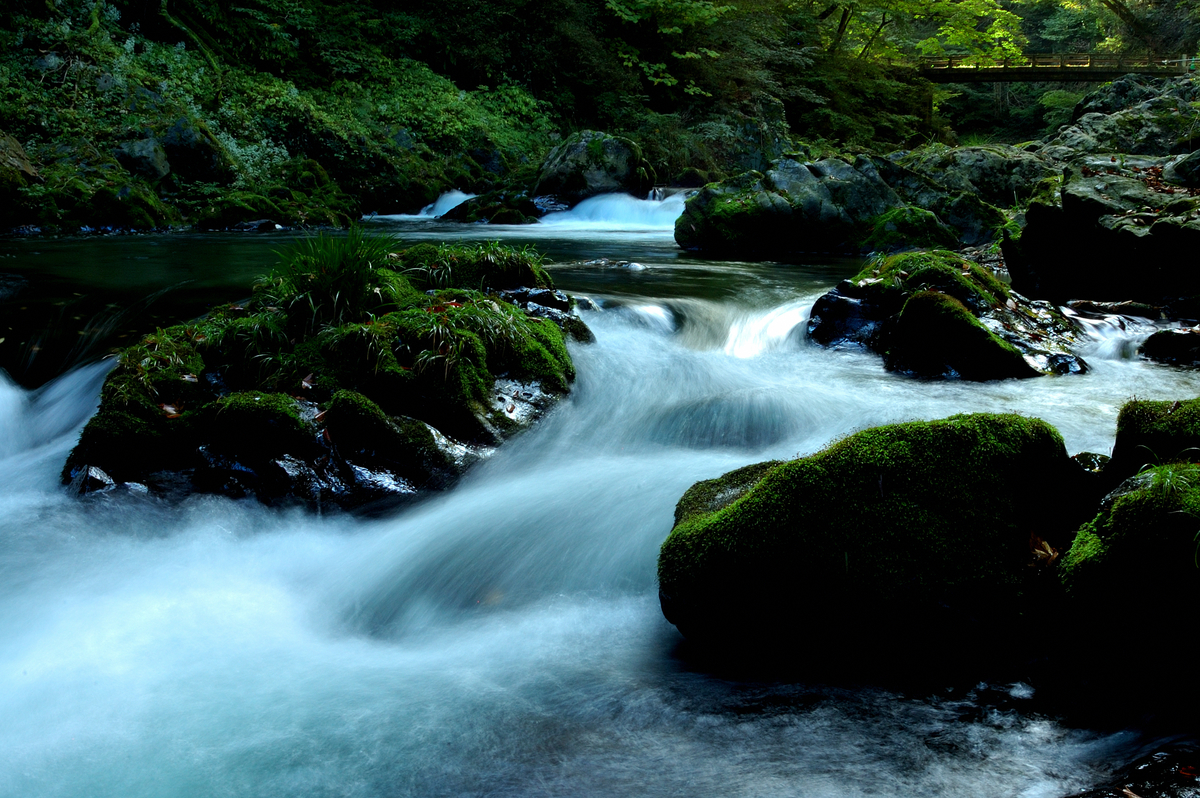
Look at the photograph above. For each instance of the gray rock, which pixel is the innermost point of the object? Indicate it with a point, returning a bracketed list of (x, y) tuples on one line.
[(591, 163), (1001, 175), (1184, 170), (146, 157)]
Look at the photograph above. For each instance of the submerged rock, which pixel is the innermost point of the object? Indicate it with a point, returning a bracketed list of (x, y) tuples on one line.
[(883, 533)]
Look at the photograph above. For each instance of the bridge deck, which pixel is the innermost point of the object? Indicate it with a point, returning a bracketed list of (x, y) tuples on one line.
[(1065, 68)]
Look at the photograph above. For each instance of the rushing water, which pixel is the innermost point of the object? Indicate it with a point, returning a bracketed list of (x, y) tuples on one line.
[(504, 638)]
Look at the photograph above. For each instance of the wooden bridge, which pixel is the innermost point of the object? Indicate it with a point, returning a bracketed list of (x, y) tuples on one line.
[(1066, 68)]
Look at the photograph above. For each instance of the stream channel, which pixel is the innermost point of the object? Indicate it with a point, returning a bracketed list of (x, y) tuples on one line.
[(503, 638)]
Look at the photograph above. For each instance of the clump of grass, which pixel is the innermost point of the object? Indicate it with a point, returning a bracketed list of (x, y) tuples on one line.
[(330, 280), (487, 265)]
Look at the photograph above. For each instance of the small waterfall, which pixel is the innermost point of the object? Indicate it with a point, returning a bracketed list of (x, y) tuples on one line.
[(1111, 336), (621, 212), (753, 334), (445, 203)]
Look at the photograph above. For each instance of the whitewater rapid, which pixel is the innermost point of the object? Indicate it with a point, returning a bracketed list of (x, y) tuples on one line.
[(503, 638)]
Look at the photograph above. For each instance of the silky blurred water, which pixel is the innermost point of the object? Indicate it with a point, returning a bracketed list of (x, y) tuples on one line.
[(504, 638)]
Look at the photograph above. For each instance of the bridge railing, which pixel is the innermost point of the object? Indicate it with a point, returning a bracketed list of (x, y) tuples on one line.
[(1174, 64)]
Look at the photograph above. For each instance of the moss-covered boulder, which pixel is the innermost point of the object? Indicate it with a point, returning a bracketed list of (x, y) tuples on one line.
[(935, 335), (795, 207), (876, 532), (999, 174), (338, 383), (1134, 566), (936, 314), (909, 228), (833, 205), (1151, 433)]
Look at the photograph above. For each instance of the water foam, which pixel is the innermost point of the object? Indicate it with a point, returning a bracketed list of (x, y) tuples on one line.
[(620, 212)]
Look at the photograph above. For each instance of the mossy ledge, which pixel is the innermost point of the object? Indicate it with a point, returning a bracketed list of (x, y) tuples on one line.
[(916, 526), (357, 373)]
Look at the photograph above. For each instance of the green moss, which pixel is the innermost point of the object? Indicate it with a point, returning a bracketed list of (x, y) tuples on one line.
[(713, 494), (257, 424), (362, 431), (935, 334), (1138, 556), (908, 513), (1154, 432), (935, 270), (908, 228)]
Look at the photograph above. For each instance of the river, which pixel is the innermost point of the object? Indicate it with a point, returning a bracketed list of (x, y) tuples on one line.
[(503, 638)]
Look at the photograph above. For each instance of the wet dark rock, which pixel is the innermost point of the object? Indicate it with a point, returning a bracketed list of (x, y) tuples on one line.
[(1091, 462), (1172, 771), (89, 479), (1178, 347), (850, 314), (257, 226), (542, 296), (1127, 308), (1185, 171), (554, 305)]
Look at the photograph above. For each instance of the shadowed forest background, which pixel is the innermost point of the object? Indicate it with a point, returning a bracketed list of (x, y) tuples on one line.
[(153, 114)]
